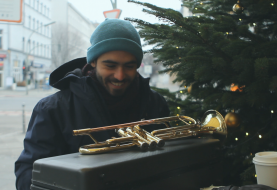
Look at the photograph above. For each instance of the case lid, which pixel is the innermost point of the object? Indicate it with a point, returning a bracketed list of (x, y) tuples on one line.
[(120, 168)]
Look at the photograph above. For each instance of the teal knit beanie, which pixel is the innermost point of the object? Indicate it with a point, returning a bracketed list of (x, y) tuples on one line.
[(114, 35)]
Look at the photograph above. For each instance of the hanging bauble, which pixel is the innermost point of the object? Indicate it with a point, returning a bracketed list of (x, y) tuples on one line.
[(235, 88), (238, 8), (189, 89), (232, 119)]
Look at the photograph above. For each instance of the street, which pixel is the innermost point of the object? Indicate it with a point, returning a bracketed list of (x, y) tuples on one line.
[(11, 129)]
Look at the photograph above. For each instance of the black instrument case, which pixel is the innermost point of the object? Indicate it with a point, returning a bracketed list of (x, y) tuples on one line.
[(181, 164)]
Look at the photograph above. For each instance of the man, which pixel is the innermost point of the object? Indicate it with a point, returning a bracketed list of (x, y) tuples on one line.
[(106, 91)]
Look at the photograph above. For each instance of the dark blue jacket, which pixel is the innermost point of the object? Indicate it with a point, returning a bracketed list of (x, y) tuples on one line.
[(77, 105)]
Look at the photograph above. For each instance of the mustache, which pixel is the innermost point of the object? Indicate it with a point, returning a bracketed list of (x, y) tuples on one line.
[(116, 80)]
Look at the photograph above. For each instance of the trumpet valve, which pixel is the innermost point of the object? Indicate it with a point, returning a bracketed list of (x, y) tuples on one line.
[(152, 145), (142, 145), (160, 143)]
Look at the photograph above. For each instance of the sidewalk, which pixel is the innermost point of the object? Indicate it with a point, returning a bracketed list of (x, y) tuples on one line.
[(31, 92), (11, 129)]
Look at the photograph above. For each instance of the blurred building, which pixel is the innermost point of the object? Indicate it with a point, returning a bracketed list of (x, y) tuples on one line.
[(149, 69), (26, 42), (71, 33)]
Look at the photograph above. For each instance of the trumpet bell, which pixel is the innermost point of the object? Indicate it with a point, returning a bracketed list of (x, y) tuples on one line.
[(213, 124)]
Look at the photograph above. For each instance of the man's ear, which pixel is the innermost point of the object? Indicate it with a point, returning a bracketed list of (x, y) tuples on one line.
[(93, 64)]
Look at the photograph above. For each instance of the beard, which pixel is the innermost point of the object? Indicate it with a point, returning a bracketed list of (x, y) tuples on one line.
[(105, 82)]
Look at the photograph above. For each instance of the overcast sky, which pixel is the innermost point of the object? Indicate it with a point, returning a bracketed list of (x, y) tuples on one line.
[(93, 9)]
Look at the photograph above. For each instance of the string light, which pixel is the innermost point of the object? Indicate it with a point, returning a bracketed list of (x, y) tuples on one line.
[(251, 154), (260, 136), (272, 4), (247, 134), (236, 139), (178, 108), (177, 114), (177, 47), (181, 91), (255, 175), (195, 8), (193, 15), (227, 32), (201, 3), (240, 19), (199, 23), (254, 24), (272, 111), (198, 16)]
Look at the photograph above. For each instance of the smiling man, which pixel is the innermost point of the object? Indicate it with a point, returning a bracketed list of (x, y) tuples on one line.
[(101, 89), (116, 70)]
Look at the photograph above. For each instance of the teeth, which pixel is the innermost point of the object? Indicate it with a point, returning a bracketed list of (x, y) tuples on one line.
[(117, 83)]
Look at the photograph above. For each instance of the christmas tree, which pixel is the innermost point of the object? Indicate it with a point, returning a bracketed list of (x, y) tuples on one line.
[(225, 58)]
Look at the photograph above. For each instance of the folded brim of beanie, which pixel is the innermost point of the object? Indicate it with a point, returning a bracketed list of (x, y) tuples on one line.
[(115, 44)]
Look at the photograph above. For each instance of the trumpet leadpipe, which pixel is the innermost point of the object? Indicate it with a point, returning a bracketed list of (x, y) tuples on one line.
[(144, 122)]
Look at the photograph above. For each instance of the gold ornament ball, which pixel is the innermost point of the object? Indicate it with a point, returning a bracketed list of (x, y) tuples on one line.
[(232, 119), (190, 88), (238, 8)]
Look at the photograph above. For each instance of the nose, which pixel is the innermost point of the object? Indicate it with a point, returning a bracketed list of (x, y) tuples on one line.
[(119, 74)]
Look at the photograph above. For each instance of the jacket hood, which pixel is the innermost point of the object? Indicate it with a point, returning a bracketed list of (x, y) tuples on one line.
[(61, 77)]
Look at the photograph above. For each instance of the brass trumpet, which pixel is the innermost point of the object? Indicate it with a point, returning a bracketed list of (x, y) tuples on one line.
[(212, 124)]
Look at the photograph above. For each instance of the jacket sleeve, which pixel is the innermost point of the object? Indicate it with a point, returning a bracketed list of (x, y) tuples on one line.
[(164, 108), (41, 140), (157, 108)]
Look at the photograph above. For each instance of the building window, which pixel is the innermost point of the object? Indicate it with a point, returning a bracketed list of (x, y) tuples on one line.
[(34, 24), (38, 47), (30, 20), (44, 51), (1, 39), (44, 10), (28, 47), (41, 7), (37, 5), (37, 25), (34, 3), (41, 49), (33, 48), (41, 27), (15, 63), (23, 44), (48, 12)]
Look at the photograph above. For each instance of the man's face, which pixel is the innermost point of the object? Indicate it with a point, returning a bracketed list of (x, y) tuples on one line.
[(116, 70)]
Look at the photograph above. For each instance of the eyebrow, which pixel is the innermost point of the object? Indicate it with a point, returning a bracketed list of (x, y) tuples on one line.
[(114, 62)]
